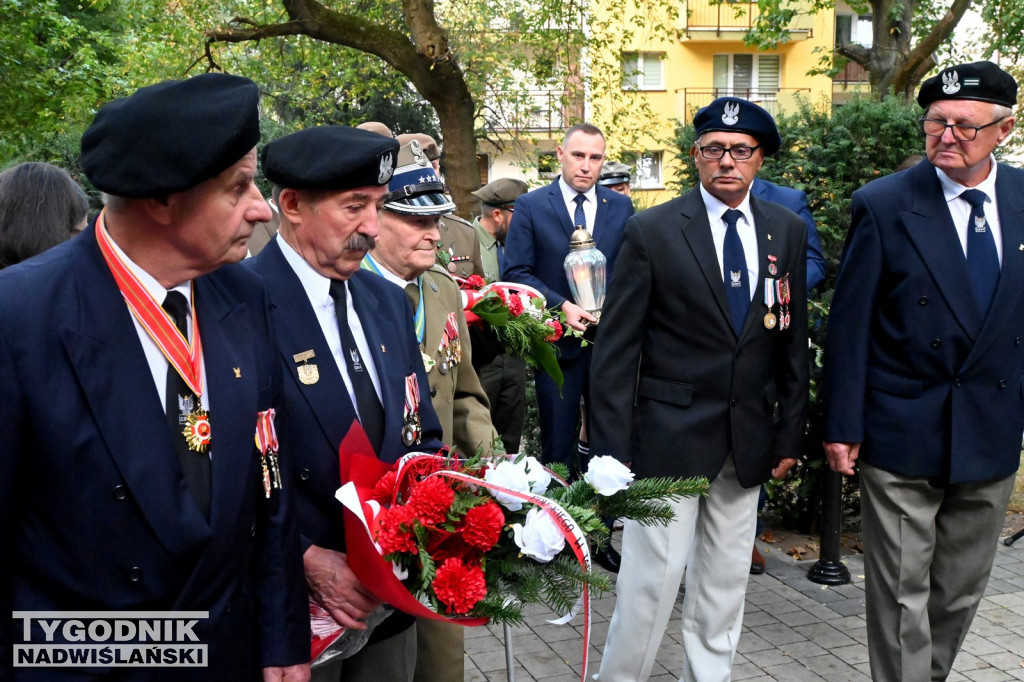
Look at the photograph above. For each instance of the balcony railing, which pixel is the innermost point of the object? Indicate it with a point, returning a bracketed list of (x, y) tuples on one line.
[(536, 111), (729, 17), (695, 98)]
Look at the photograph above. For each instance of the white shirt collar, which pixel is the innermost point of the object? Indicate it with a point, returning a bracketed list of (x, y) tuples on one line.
[(716, 207), (951, 189), (569, 194), (316, 286)]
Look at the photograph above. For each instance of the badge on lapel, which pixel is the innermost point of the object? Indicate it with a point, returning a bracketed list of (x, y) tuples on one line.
[(309, 374)]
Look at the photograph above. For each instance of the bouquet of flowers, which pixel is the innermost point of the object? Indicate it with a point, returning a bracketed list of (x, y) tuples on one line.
[(473, 541), (519, 316)]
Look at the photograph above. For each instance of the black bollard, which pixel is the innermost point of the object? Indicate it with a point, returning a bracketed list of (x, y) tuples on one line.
[(828, 569)]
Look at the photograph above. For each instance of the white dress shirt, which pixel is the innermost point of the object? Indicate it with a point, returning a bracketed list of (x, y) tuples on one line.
[(318, 289), (589, 206), (960, 210), (744, 226)]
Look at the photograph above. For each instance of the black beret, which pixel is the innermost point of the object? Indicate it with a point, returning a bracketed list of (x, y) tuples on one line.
[(169, 137), (981, 81), (736, 115), (614, 173), (501, 192), (330, 158)]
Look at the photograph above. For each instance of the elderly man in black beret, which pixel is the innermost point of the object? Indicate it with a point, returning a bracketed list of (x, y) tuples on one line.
[(700, 369), (923, 371), (348, 349), (137, 367)]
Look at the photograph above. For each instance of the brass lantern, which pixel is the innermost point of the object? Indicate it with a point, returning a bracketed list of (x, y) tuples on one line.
[(585, 270)]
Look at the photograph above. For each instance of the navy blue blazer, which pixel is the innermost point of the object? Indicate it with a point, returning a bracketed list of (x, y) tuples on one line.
[(317, 416), (912, 371), (796, 201), (95, 514), (538, 242)]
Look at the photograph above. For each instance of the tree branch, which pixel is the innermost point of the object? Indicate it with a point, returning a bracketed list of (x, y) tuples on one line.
[(925, 49)]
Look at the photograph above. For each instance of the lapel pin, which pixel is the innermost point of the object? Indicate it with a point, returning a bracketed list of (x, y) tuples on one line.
[(769, 237), (238, 372), (433, 287), (383, 349), (1022, 247), (604, 201)]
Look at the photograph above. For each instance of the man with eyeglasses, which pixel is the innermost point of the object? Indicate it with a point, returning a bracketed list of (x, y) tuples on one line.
[(700, 369), (924, 371)]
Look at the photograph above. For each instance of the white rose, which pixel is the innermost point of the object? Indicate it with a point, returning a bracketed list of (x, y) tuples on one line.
[(538, 476), (510, 475), (608, 475), (538, 537)]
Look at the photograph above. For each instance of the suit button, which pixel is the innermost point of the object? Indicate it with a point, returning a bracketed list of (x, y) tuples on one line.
[(304, 474), (1016, 341), (734, 402), (739, 353), (956, 382), (119, 492), (936, 343), (923, 300), (1002, 383), (135, 574), (433, 392)]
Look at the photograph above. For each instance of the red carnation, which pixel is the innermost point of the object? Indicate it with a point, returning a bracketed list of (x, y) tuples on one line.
[(459, 586), (515, 305), (384, 491), (482, 525), (476, 281), (431, 499), (556, 330), (396, 530)]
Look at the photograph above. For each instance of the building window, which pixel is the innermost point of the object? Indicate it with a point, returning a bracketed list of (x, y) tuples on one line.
[(854, 30), (643, 71), (755, 77), (646, 169)]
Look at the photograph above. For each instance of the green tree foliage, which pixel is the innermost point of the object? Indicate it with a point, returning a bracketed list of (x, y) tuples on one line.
[(829, 155)]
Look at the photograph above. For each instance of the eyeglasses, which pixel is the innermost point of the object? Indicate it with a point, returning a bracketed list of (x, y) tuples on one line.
[(961, 131), (713, 151), (510, 209)]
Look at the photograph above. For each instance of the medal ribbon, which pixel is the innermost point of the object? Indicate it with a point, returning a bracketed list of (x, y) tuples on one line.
[(419, 316), (186, 359), (769, 292), (266, 434), (412, 395)]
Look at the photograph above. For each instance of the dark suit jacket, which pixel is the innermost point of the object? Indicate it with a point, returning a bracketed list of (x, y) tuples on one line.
[(538, 242), (912, 371), (94, 512), (796, 201), (319, 415), (672, 388)]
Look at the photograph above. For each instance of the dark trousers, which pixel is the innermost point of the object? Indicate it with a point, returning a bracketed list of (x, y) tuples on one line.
[(504, 381), (559, 414)]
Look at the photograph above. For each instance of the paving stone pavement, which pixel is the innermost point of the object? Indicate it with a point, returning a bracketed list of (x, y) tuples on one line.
[(793, 630)]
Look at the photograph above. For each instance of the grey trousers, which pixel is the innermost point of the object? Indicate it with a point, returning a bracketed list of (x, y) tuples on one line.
[(928, 552), (393, 660)]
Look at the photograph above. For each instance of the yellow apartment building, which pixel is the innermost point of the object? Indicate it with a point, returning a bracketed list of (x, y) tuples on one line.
[(671, 76)]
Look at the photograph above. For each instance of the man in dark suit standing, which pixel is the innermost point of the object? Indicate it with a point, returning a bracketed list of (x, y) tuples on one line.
[(700, 369), (346, 341), (924, 371), (535, 249), (136, 362)]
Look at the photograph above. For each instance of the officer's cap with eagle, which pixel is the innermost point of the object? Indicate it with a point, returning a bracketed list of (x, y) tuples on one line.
[(735, 115), (415, 188), (330, 158), (981, 81)]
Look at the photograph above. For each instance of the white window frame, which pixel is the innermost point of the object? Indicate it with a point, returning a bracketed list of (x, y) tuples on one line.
[(648, 169), (633, 76), (756, 58)]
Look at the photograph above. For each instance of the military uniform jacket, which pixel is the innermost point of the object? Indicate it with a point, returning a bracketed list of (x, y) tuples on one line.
[(912, 371), (318, 414), (461, 247), (95, 514), (673, 389), (459, 399)]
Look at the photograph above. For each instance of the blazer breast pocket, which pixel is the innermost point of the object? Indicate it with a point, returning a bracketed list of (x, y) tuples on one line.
[(665, 391)]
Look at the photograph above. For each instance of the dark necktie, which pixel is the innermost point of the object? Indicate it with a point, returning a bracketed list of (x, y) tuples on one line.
[(982, 259), (734, 262), (412, 292), (580, 218), (179, 401), (371, 414), (501, 258)]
